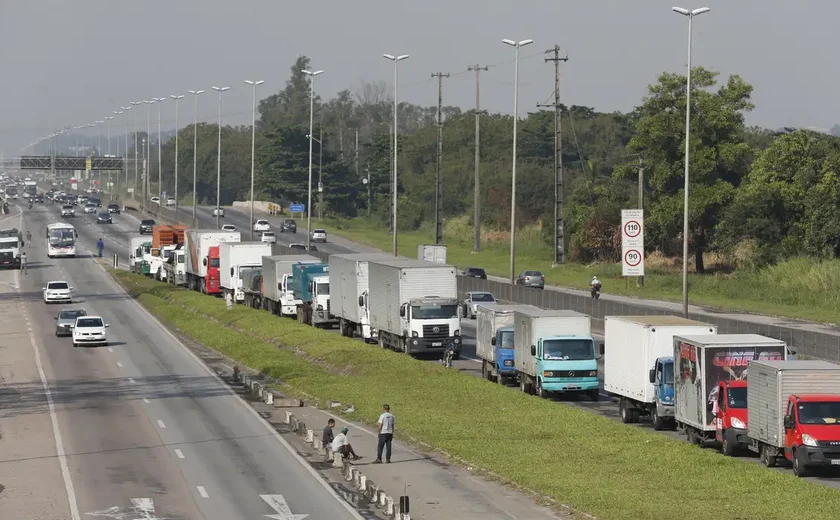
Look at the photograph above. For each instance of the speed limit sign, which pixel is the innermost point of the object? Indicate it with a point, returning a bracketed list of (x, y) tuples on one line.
[(632, 242)]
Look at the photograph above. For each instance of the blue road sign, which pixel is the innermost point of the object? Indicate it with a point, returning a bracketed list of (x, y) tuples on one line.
[(297, 208)]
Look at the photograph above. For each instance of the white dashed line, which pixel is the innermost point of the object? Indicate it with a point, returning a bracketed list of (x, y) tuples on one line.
[(203, 492), (146, 401), (110, 349), (160, 424), (131, 380), (179, 454), (119, 364)]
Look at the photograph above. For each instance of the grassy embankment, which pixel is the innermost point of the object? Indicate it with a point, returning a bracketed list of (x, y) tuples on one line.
[(799, 288), (580, 459)]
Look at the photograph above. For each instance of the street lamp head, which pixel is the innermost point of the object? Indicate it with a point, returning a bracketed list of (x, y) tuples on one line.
[(681, 10), (389, 57), (523, 43), (509, 42), (403, 57), (173, 96), (195, 92), (221, 89), (700, 11), (311, 73)]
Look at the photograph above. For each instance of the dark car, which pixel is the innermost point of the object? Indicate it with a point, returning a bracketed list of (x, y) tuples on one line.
[(94, 200), (73, 200), (302, 247), (114, 208), (104, 218), (39, 199), (288, 225), (146, 226), (475, 272)]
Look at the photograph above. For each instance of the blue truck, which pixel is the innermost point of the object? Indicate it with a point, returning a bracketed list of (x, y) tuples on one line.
[(311, 286), (494, 340)]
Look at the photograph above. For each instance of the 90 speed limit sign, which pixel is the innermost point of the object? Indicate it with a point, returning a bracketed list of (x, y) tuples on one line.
[(632, 242)]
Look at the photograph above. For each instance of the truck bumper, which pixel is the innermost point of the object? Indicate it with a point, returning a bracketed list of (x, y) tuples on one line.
[(288, 310), (740, 436), (369, 332), (323, 317), (577, 385), (816, 456), (419, 345), (665, 410)]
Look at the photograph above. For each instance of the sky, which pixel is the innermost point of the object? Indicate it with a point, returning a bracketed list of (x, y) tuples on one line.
[(75, 62)]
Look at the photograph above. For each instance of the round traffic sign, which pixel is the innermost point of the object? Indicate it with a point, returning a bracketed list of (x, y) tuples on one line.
[(632, 229), (632, 257)]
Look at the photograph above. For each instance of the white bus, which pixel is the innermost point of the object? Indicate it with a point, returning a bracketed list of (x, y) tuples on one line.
[(61, 240)]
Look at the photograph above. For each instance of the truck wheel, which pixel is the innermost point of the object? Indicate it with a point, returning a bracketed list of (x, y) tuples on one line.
[(525, 385), (626, 412), (658, 423), (799, 467), (766, 458), (539, 390), (726, 445), (594, 395), (485, 374)]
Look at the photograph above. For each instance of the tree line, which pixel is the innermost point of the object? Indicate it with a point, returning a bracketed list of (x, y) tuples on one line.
[(756, 194)]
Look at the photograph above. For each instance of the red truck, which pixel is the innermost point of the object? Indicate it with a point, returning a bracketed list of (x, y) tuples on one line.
[(730, 413), (201, 255)]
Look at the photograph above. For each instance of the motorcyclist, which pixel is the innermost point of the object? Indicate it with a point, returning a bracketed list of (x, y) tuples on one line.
[(30, 203), (448, 355), (595, 287)]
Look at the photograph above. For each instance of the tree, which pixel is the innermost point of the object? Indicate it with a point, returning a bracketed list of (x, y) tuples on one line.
[(290, 105), (719, 156)]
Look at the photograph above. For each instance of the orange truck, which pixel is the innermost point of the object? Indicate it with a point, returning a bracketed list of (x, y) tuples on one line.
[(164, 239)]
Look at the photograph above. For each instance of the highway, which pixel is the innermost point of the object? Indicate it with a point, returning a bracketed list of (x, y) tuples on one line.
[(139, 428), (125, 225)]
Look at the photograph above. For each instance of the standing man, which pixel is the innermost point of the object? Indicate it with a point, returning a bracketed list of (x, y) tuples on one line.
[(385, 427), (328, 437), (100, 246)]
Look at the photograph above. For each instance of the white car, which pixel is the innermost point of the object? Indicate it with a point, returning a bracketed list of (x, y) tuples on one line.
[(262, 225), (228, 227), (68, 211), (89, 330), (90, 208), (318, 235), (57, 291), (218, 212), (268, 237), (156, 200), (170, 201)]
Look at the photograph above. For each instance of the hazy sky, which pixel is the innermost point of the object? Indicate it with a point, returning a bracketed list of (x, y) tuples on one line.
[(73, 62)]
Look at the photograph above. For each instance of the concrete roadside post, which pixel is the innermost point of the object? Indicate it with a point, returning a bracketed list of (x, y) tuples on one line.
[(116, 261)]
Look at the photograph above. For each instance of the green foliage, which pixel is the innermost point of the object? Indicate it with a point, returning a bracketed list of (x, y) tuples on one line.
[(491, 427)]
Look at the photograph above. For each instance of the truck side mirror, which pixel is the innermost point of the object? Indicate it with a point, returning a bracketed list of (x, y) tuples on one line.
[(204, 262), (789, 425), (602, 348), (533, 350), (361, 301), (493, 341), (231, 271), (402, 312), (652, 375), (279, 286)]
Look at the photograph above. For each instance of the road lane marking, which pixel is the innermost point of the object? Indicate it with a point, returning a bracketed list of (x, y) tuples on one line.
[(110, 349), (119, 364), (131, 380), (203, 492), (146, 401), (179, 454), (59, 443), (160, 424)]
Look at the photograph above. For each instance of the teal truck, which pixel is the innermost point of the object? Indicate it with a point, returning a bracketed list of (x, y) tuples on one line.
[(311, 287), (554, 352), (494, 339)]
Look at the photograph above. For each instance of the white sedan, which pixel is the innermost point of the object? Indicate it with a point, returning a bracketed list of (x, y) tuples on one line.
[(89, 330), (90, 208), (218, 211), (262, 225), (170, 201), (228, 227), (156, 200), (268, 237), (57, 291)]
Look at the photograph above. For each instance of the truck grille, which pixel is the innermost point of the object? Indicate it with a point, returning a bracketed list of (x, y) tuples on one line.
[(429, 331), (829, 444), (6, 255), (566, 374), (329, 307)]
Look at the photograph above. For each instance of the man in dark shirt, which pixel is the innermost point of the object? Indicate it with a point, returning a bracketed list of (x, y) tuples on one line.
[(328, 436)]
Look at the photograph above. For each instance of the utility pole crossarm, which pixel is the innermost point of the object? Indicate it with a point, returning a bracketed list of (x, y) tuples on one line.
[(559, 233), (438, 172), (476, 183)]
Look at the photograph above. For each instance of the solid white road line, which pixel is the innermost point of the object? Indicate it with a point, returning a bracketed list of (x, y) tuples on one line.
[(160, 424), (179, 454), (202, 492), (59, 443)]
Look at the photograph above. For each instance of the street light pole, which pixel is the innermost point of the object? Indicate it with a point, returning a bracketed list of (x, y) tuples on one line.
[(517, 45), (135, 104), (254, 84), (160, 159), (177, 128), (311, 75), (195, 94), (690, 15), (219, 160), (146, 165), (396, 60)]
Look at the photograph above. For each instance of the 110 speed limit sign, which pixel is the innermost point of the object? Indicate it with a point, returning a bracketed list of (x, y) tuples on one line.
[(632, 242)]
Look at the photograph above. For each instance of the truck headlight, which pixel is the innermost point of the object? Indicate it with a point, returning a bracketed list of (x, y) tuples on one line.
[(457, 332), (320, 307), (807, 440), (738, 423), (593, 373), (414, 334)]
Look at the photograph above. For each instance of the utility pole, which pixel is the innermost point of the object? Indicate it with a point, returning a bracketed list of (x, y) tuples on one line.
[(559, 239), (640, 280), (391, 178), (476, 191), (357, 154), (438, 173)]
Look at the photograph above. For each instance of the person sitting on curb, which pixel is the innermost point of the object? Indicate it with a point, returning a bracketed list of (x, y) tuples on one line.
[(342, 445)]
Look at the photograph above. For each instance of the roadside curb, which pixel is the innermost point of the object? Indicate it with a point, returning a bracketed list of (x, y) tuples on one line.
[(349, 472)]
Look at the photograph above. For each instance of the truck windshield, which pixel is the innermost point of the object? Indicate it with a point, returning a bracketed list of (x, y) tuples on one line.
[(568, 349), (322, 289), (214, 262), (827, 412), (434, 312), (507, 339), (482, 297), (668, 372), (737, 397)]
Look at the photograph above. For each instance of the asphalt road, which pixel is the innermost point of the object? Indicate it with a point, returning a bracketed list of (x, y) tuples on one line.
[(140, 423)]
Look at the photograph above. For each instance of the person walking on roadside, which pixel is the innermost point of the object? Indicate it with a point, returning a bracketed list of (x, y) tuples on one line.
[(23, 262), (385, 428), (342, 446), (100, 246), (328, 437)]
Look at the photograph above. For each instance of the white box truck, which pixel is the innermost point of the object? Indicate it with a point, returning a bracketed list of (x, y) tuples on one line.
[(554, 352), (639, 364), (793, 413), (278, 297), (435, 253), (201, 257), (235, 259), (494, 338), (414, 305), (349, 293), (701, 364)]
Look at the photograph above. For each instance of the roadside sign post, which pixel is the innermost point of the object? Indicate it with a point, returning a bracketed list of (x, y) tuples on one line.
[(297, 208), (632, 243)]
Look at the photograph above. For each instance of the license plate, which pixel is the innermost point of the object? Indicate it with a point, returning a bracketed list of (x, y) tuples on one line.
[(573, 387), (437, 344), (835, 462)]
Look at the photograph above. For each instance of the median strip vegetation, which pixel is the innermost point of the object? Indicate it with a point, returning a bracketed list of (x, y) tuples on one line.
[(577, 458)]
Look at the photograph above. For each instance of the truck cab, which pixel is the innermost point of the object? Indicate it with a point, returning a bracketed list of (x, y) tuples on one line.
[(566, 364), (431, 324), (368, 333), (812, 432), (311, 286), (730, 416), (212, 262), (662, 377), (503, 343), (139, 258)]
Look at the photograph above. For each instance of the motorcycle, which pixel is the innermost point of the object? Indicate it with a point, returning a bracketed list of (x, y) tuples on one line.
[(30, 203), (5, 209), (448, 356), (596, 291)]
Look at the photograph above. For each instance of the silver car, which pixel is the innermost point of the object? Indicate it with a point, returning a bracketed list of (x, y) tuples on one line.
[(66, 318), (473, 299), (318, 235), (533, 279)]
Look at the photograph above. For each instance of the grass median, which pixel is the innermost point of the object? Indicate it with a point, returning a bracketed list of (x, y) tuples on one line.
[(803, 288), (586, 461)]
